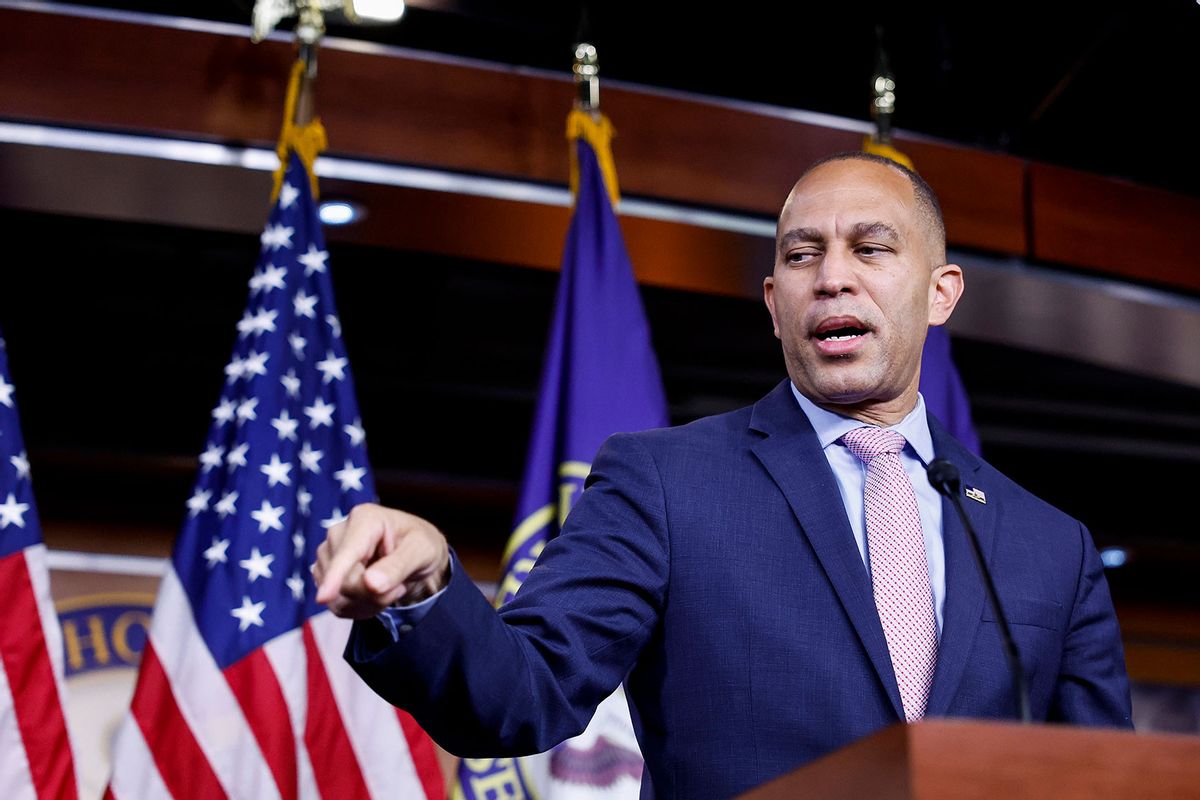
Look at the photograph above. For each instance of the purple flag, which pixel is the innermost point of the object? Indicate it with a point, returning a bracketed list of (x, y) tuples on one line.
[(600, 377), (943, 390)]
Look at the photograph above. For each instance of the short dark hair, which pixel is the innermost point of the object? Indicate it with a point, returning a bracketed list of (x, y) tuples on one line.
[(927, 201)]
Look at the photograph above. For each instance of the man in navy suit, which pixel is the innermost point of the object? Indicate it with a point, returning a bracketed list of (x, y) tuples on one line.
[(721, 569)]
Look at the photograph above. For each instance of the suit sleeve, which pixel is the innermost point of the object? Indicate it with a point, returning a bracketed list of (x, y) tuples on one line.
[(520, 681), (1092, 687)]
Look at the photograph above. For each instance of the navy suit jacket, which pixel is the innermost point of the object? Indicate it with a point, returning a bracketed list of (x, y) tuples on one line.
[(712, 568)]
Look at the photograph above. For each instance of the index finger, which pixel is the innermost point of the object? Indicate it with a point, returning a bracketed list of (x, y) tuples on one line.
[(355, 548)]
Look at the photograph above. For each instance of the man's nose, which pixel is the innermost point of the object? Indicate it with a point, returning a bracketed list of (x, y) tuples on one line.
[(836, 274)]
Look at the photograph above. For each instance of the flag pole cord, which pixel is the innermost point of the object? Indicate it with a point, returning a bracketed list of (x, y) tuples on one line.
[(302, 131)]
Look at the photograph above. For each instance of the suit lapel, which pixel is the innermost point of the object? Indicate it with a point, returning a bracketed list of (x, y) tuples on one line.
[(793, 457), (964, 585)]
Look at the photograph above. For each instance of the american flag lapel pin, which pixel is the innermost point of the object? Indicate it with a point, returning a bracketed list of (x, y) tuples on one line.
[(975, 494)]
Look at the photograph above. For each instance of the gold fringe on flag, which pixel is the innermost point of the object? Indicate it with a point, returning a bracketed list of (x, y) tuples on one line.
[(875, 147), (307, 140), (595, 129)]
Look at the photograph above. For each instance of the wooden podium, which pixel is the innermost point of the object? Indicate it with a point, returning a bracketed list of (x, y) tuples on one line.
[(969, 759)]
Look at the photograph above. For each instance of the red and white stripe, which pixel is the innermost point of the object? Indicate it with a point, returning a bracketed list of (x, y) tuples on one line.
[(35, 747), (290, 721)]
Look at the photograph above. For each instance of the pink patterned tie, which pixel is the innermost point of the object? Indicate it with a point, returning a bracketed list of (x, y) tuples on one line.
[(899, 572)]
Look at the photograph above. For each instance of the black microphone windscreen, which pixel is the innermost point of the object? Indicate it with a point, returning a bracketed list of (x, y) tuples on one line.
[(943, 476)]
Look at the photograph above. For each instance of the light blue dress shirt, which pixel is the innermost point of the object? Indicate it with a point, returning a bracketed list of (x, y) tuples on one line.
[(851, 474)]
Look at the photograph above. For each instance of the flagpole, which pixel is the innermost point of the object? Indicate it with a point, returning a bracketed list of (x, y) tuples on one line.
[(310, 29), (306, 110), (883, 105)]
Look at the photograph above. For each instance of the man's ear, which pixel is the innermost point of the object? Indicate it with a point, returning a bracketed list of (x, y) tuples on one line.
[(769, 299), (945, 289)]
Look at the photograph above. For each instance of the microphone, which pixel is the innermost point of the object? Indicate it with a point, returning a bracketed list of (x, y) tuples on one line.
[(943, 476)]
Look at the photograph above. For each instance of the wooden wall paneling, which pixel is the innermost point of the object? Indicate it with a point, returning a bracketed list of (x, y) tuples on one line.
[(464, 116), (982, 194), (1114, 227), (429, 111), (668, 254)]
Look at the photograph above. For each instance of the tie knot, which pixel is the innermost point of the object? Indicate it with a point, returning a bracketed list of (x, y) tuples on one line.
[(868, 442)]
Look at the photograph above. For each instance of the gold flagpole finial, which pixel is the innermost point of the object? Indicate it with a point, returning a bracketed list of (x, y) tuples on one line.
[(302, 132), (587, 77), (883, 105), (586, 122), (311, 24), (883, 90)]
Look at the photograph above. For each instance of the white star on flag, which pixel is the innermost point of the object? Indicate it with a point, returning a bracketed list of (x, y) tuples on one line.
[(224, 412), (296, 584), (297, 342), (305, 305), (303, 498), (215, 554), (227, 504), (291, 383), (249, 614), (245, 325), (350, 476), (332, 368), (211, 458), (12, 512), (320, 413), (277, 471), (298, 544), (287, 195), (334, 324), (245, 410), (255, 364), (310, 459), (6, 392), (285, 425), (234, 369), (198, 502), (257, 565), (237, 457), (270, 277), (268, 517), (313, 260), (276, 236), (257, 324), (355, 432), (21, 462)]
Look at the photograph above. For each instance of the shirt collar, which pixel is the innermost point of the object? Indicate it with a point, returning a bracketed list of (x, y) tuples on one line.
[(830, 426)]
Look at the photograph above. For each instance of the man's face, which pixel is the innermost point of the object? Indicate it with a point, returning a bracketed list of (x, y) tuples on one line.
[(855, 288)]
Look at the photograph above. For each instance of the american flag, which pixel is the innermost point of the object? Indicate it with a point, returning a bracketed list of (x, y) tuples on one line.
[(242, 690), (35, 749)]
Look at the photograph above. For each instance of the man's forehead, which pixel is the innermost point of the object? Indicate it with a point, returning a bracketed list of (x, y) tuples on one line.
[(853, 181), (849, 192)]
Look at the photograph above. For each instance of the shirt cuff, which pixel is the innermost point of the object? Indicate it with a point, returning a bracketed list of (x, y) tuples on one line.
[(399, 620)]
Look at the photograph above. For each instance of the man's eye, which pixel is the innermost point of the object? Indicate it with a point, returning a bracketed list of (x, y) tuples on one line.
[(800, 256), (868, 250)]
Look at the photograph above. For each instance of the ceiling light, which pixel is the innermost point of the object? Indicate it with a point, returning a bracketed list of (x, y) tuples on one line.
[(340, 212), (375, 11), (1113, 557)]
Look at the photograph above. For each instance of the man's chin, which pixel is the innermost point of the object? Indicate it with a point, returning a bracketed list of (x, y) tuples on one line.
[(846, 386)]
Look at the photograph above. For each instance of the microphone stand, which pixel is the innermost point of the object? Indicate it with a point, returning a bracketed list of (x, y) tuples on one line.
[(943, 476)]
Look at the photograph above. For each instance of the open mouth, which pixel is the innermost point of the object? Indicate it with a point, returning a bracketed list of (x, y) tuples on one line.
[(840, 329), (842, 334)]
